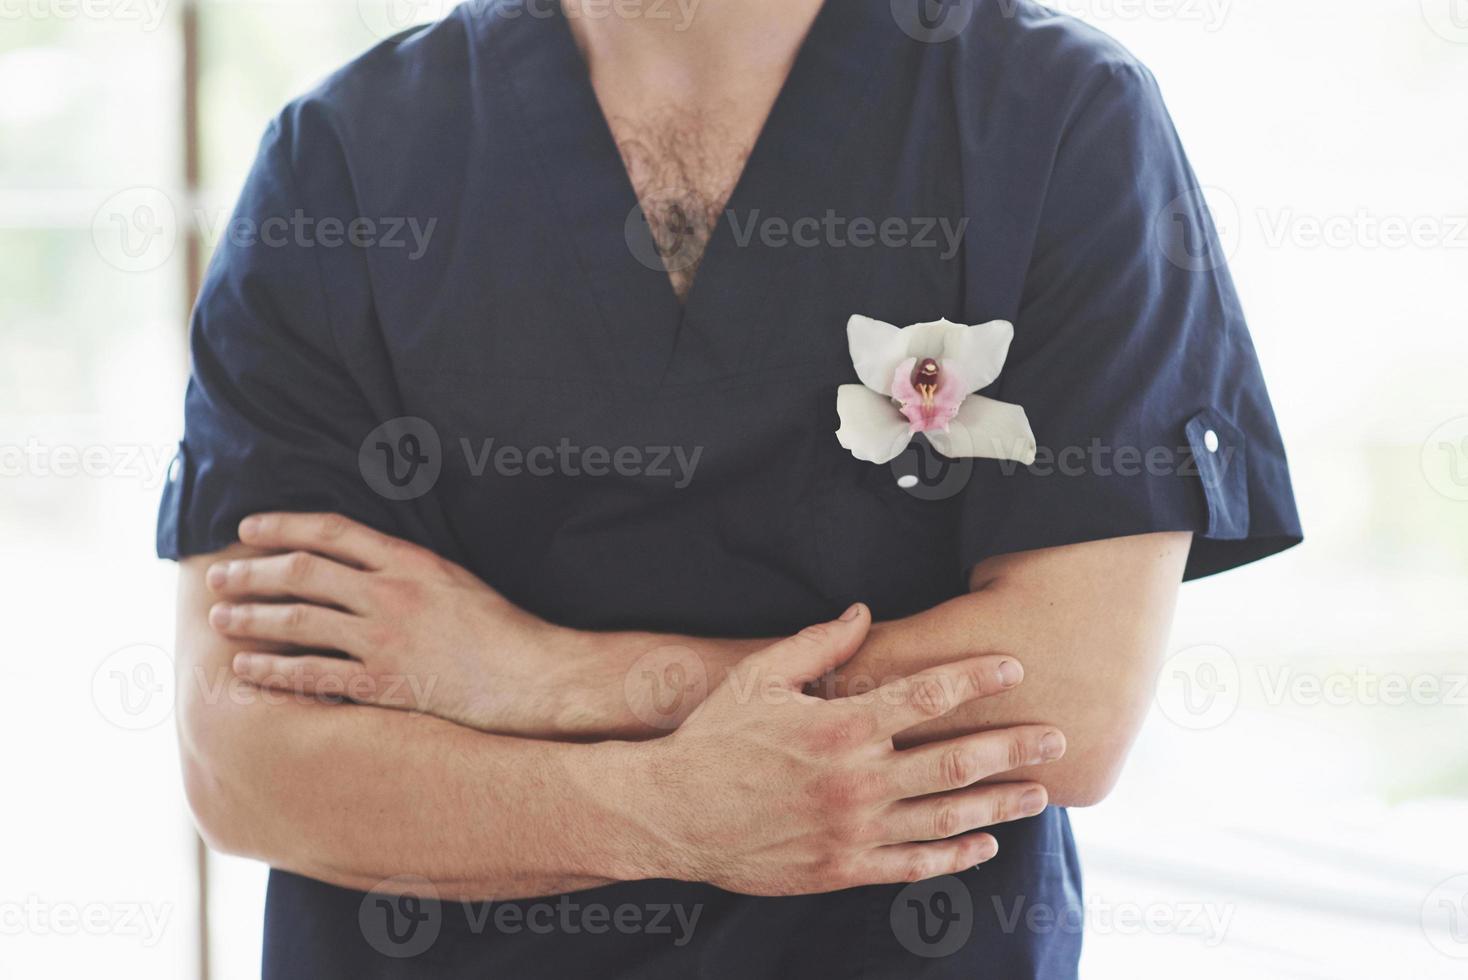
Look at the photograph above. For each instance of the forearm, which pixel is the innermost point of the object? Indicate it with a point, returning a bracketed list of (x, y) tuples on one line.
[(355, 795), (1087, 622)]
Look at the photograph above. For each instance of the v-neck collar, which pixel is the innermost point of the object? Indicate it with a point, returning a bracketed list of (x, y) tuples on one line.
[(655, 337)]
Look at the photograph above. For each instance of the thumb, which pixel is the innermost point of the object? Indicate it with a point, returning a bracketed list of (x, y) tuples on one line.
[(817, 650)]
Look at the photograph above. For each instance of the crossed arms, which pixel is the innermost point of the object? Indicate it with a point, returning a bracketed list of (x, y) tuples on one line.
[(534, 760)]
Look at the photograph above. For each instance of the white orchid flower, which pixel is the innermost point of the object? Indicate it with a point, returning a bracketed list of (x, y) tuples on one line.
[(922, 378)]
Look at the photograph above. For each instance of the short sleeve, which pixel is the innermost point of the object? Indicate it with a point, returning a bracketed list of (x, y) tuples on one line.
[(1132, 359), (273, 418)]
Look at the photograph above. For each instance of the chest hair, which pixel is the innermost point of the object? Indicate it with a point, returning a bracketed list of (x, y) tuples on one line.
[(683, 166)]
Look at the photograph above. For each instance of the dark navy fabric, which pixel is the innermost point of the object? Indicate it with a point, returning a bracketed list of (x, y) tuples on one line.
[(525, 312)]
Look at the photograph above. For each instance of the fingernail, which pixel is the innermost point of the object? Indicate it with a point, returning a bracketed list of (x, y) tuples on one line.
[(1052, 746), (218, 575), (249, 526), (988, 849), (1032, 802), (1009, 673), (851, 613), (220, 616)]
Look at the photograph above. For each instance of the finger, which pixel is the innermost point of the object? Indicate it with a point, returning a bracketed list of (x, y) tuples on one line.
[(933, 693), (953, 764), (326, 534), (299, 575), (294, 624), (951, 814), (918, 862), (815, 650), (321, 676)]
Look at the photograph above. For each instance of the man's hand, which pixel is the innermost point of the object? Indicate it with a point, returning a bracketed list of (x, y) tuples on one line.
[(766, 790), (424, 634)]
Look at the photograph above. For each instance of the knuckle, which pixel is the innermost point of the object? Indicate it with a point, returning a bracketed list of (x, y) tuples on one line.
[(1018, 752), (947, 821), (929, 696), (917, 868), (957, 767), (813, 635), (237, 574), (832, 870), (330, 527), (299, 565), (294, 617)]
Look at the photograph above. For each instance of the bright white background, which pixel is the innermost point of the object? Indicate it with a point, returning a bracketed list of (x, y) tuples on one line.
[(1296, 803)]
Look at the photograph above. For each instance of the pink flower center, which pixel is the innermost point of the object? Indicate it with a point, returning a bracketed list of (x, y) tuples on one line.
[(927, 395)]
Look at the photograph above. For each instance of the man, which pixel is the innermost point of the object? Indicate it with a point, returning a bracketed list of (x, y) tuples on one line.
[(438, 480)]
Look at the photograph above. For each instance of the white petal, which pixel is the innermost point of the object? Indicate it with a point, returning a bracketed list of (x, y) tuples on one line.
[(988, 429), (929, 339), (871, 426), (977, 353), (876, 350)]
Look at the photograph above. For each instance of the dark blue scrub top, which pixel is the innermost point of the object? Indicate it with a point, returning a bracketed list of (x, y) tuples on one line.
[(528, 319)]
